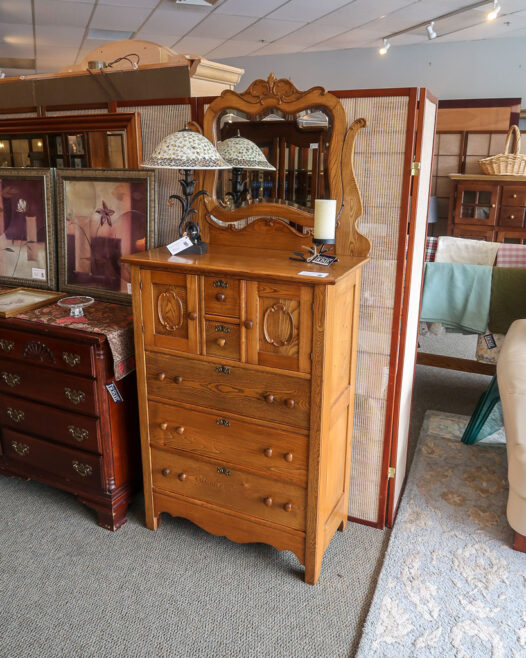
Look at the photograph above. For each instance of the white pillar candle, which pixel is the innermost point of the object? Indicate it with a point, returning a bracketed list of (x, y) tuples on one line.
[(324, 219)]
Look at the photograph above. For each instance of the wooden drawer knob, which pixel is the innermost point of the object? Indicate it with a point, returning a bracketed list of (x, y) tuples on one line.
[(182, 477), (220, 297), (221, 342), (289, 403), (288, 457), (268, 501), (268, 452), (179, 429), (512, 216), (178, 379), (287, 507), (493, 205), (513, 196), (269, 398), (161, 376), (164, 426), (166, 472), (192, 315), (248, 324)]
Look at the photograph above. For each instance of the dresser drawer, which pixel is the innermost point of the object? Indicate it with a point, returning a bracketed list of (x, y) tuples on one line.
[(222, 339), (513, 196), (221, 296), (229, 487), (280, 454), (47, 351), (62, 426), (512, 216), (250, 392), (70, 465), (44, 385)]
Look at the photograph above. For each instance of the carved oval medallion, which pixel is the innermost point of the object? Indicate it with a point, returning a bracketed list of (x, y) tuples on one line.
[(284, 326), (170, 310)]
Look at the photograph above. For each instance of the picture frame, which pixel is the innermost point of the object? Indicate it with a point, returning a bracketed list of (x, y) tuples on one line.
[(27, 228), (20, 300), (102, 215)]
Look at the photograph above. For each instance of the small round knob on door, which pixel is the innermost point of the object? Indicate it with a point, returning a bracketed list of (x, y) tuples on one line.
[(221, 342), (493, 205), (513, 196), (220, 297), (269, 398), (268, 452), (512, 216), (288, 457), (164, 426), (166, 472), (182, 477), (287, 507), (248, 324), (179, 429), (192, 315), (161, 376), (289, 403), (268, 501), (178, 379)]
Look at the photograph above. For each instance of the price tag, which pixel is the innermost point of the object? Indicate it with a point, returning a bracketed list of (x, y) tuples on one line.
[(114, 392), (128, 286), (38, 273), (323, 259), (179, 245), (320, 275)]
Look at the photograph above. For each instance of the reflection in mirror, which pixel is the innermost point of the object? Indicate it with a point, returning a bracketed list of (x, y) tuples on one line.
[(297, 147)]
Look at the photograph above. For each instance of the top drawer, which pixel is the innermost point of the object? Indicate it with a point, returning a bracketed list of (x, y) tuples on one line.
[(221, 296), (513, 196), (47, 351)]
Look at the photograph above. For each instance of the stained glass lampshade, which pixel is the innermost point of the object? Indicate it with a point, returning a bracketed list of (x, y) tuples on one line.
[(185, 149), (241, 153)]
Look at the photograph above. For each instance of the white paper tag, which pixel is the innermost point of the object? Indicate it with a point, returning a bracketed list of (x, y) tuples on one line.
[(38, 273), (128, 286), (320, 275), (178, 245)]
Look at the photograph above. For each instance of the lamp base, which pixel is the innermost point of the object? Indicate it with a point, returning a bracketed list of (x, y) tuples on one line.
[(322, 241), (199, 248)]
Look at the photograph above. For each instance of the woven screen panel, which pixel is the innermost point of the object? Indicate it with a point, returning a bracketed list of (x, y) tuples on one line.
[(59, 113), (378, 161), (18, 115), (158, 121)]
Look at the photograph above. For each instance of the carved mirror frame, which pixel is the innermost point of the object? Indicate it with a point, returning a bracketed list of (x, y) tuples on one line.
[(282, 95)]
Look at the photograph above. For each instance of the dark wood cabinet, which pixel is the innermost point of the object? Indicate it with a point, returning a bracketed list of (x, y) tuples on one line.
[(58, 423)]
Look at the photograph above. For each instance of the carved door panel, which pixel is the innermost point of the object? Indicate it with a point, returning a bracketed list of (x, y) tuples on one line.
[(279, 325), (170, 310)]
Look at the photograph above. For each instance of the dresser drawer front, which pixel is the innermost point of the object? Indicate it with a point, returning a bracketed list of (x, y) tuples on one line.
[(47, 351), (221, 296), (249, 392), (222, 339), (229, 487), (43, 385), (512, 216), (220, 436), (65, 427), (70, 465), (513, 196)]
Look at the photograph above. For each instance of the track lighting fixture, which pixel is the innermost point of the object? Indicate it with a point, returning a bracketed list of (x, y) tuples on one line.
[(492, 15), (431, 34), (383, 50)]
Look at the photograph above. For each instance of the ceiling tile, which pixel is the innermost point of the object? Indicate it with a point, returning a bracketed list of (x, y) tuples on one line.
[(11, 33), (177, 19), (54, 58), (307, 10), (311, 33), (280, 47), (196, 45), (256, 8), (269, 30), (14, 73), (165, 38), (131, 3), (234, 48), (119, 18), (362, 11), (15, 11), (59, 12), (221, 26), (61, 36)]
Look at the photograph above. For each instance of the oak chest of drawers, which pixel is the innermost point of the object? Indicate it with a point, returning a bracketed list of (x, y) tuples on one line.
[(246, 386), (59, 424)]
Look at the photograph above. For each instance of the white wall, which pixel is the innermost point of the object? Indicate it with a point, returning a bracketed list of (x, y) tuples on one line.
[(493, 68)]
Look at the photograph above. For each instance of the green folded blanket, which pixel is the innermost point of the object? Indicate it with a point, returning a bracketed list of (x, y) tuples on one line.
[(508, 298), (457, 295)]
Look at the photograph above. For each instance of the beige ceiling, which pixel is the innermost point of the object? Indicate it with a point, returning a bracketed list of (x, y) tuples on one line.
[(55, 33)]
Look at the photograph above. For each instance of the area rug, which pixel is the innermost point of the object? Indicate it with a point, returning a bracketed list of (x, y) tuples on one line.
[(451, 585)]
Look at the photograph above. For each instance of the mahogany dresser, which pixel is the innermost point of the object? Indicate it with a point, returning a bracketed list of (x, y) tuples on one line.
[(246, 387), (58, 422)]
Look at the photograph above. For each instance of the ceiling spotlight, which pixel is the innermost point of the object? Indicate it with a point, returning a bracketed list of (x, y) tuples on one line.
[(492, 15), (383, 50), (431, 34)]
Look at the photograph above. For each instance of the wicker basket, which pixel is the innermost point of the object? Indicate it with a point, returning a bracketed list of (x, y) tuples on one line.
[(507, 163)]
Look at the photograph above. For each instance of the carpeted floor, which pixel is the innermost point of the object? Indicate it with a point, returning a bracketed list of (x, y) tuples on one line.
[(451, 585)]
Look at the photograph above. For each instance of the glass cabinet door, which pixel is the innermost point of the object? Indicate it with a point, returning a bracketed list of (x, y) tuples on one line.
[(476, 204)]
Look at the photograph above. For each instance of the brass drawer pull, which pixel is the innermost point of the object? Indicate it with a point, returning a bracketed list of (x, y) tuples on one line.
[(182, 477), (161, 376), (220, 297), (288, 457), (219, 283), (74, 396), (82, 469), (223, 421), (223, 328), (223, 470), (20, 448), (289, 403), (71, 359), (221, 342), (178, 379), (223, 369), (268, 501), (11, 379), (166, 472), (179, 429), (269, 398), (15, 414), (268, 452), (164, 426), (6, 345), (287, 507), (78, 433)]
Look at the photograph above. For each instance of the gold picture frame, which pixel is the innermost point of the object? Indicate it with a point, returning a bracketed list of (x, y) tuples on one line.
[(25, 299)]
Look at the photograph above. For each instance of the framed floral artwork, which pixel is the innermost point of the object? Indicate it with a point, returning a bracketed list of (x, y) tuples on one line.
[(102, 216), (27, 239), (18, 300)]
